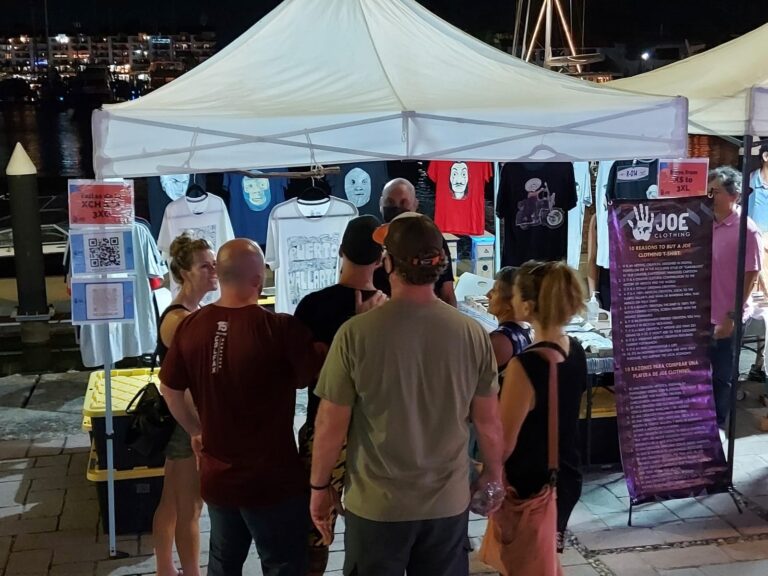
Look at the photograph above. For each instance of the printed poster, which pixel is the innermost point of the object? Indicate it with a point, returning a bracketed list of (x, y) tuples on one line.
[(102, 251), (661, 254), (98, 301), (100, 203)]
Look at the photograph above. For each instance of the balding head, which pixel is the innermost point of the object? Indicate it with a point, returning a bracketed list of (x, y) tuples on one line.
[(240, 266), (398, 193)]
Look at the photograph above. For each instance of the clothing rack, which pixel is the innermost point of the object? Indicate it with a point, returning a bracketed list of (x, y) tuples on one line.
[(316, 173)]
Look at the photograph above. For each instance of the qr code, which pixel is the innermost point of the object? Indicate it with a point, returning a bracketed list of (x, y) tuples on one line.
[(104, 252)]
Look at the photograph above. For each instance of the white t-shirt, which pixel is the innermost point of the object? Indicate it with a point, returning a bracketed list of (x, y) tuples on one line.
[(303, 250), (206, 217), (601, 214), (130, 340), (576, 214)]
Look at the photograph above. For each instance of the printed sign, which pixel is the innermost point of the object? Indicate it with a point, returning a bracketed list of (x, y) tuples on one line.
[(99, 203), (661, 258), (96, 301), (102, 251), (680, 178)]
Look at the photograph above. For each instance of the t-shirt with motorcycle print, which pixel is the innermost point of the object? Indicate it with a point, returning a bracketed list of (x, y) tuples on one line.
[(534, 200)]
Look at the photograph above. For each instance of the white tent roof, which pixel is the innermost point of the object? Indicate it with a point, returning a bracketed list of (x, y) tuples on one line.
[(718, 84), (350, 80)]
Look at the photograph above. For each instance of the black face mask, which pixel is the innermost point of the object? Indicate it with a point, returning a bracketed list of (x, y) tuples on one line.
[(390, 212)]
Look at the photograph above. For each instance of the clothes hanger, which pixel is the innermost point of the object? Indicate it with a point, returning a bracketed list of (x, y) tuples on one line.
[(313, 194), (195, 192)]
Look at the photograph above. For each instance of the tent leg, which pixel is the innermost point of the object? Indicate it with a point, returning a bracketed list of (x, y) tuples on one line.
[(739, 304), (110, 432), (496, 219), (732, 492)]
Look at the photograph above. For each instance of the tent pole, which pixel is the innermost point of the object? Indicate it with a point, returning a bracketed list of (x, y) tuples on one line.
[(518, 19), (525, 29), (739, 305), (548, 35), (496, 219)]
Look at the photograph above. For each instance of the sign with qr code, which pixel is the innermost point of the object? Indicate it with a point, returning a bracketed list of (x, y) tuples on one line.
[(100, 203), (97, 301), (102, 251)]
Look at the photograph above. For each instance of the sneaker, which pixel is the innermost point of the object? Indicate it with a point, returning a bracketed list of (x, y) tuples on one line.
[(756, 374)]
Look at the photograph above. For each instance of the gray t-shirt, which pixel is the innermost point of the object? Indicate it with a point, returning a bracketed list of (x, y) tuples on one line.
[(409, 372)]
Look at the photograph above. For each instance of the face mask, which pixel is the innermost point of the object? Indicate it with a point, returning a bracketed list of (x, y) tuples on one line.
[(390, 212)]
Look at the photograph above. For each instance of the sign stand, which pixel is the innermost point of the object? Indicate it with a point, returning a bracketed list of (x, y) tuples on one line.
[(101, 217), (110, 433)]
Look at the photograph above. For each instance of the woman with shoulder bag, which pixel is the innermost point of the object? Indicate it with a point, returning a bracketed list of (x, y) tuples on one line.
[(193, 265), (540, 404)]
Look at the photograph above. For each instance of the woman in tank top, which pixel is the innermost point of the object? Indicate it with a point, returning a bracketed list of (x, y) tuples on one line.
[(193, 266), (547, 295), (511, 337)]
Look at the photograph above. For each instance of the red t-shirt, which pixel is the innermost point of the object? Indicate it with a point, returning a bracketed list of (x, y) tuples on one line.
[(242, 367), (460, 195)]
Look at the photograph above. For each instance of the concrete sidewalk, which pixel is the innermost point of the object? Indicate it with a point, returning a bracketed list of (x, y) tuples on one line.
[(49, 514)]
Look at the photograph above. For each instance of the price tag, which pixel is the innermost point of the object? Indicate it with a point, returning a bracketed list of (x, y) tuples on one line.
[(680, 178), (99, 203)]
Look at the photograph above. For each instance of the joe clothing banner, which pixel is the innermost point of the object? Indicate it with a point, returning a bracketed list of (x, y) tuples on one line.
[(661, 254)]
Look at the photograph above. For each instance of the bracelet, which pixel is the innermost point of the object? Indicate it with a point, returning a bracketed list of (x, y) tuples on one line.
[(313, 487)]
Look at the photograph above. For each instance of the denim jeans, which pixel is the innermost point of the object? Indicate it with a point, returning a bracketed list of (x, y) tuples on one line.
[(279, 530)]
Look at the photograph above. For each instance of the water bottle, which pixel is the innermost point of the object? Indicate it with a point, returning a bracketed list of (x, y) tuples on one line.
[(593, 309), (487, 498)]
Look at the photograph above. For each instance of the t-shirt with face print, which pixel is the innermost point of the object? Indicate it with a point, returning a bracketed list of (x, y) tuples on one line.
[(460, 195), (251, 199), (360, 184)]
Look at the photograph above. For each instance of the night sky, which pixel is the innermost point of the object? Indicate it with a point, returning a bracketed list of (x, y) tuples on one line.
[(631, 21)]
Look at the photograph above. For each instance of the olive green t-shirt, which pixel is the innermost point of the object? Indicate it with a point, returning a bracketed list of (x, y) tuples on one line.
[(409, 372)]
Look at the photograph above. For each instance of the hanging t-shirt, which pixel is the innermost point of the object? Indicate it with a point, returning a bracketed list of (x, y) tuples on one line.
[(758, 201), (533, 201), (162, 190), (601, 213), (633, 180), (460, 195), (303, 241), (576, 214), (360, 184), (251, 199), (129, 340), (204, 217)]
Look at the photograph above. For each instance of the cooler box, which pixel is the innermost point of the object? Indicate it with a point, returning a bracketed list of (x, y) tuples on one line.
[(137, 494), (482, 255), (453, 249), (125, 385)]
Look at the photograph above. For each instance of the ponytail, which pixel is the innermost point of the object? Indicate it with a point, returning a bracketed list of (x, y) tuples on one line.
[(556, 290)]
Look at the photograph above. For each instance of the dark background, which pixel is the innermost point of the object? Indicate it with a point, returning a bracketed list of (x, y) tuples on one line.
[(608, 21)]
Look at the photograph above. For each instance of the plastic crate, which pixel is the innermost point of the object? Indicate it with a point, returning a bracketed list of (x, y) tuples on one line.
[(125, 385), (137, 495)]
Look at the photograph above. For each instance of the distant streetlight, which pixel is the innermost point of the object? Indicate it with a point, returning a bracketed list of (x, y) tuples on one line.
[(645, 56)]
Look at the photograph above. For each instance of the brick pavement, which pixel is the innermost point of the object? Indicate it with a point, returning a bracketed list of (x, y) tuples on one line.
[(49, 521)]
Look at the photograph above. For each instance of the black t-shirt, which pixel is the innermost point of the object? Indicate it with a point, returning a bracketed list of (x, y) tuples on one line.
[(534, 200), (360, 184), (633, 180), (323, 312), (381, 278)]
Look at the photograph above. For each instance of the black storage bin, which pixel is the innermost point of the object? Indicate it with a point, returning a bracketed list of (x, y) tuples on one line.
[(135, 502)]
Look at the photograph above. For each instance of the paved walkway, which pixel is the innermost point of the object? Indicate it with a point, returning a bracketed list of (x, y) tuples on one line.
[(49, 516)]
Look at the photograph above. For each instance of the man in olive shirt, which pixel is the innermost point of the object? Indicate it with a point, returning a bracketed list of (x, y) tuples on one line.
[(408, 402)]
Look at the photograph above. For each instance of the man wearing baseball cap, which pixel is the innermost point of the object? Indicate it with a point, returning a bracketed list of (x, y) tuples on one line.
[(403, 405), (324, 312)]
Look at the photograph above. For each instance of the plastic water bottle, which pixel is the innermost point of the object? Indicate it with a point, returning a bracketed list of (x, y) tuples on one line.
[(487, 498), (593, 309)]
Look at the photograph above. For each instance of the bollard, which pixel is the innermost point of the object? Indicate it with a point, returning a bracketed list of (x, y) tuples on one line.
[(32, 312)]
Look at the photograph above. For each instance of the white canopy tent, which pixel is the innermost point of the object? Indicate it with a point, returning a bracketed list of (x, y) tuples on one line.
[(350, 80), (726, 87)]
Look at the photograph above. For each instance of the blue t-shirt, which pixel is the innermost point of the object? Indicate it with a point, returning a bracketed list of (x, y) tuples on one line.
[(758, 201), (250, 202)]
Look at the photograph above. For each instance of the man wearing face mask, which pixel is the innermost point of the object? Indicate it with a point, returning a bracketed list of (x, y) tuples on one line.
[(397, 197)]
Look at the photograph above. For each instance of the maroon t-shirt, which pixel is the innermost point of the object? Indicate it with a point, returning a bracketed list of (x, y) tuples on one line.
[(242, 367)]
